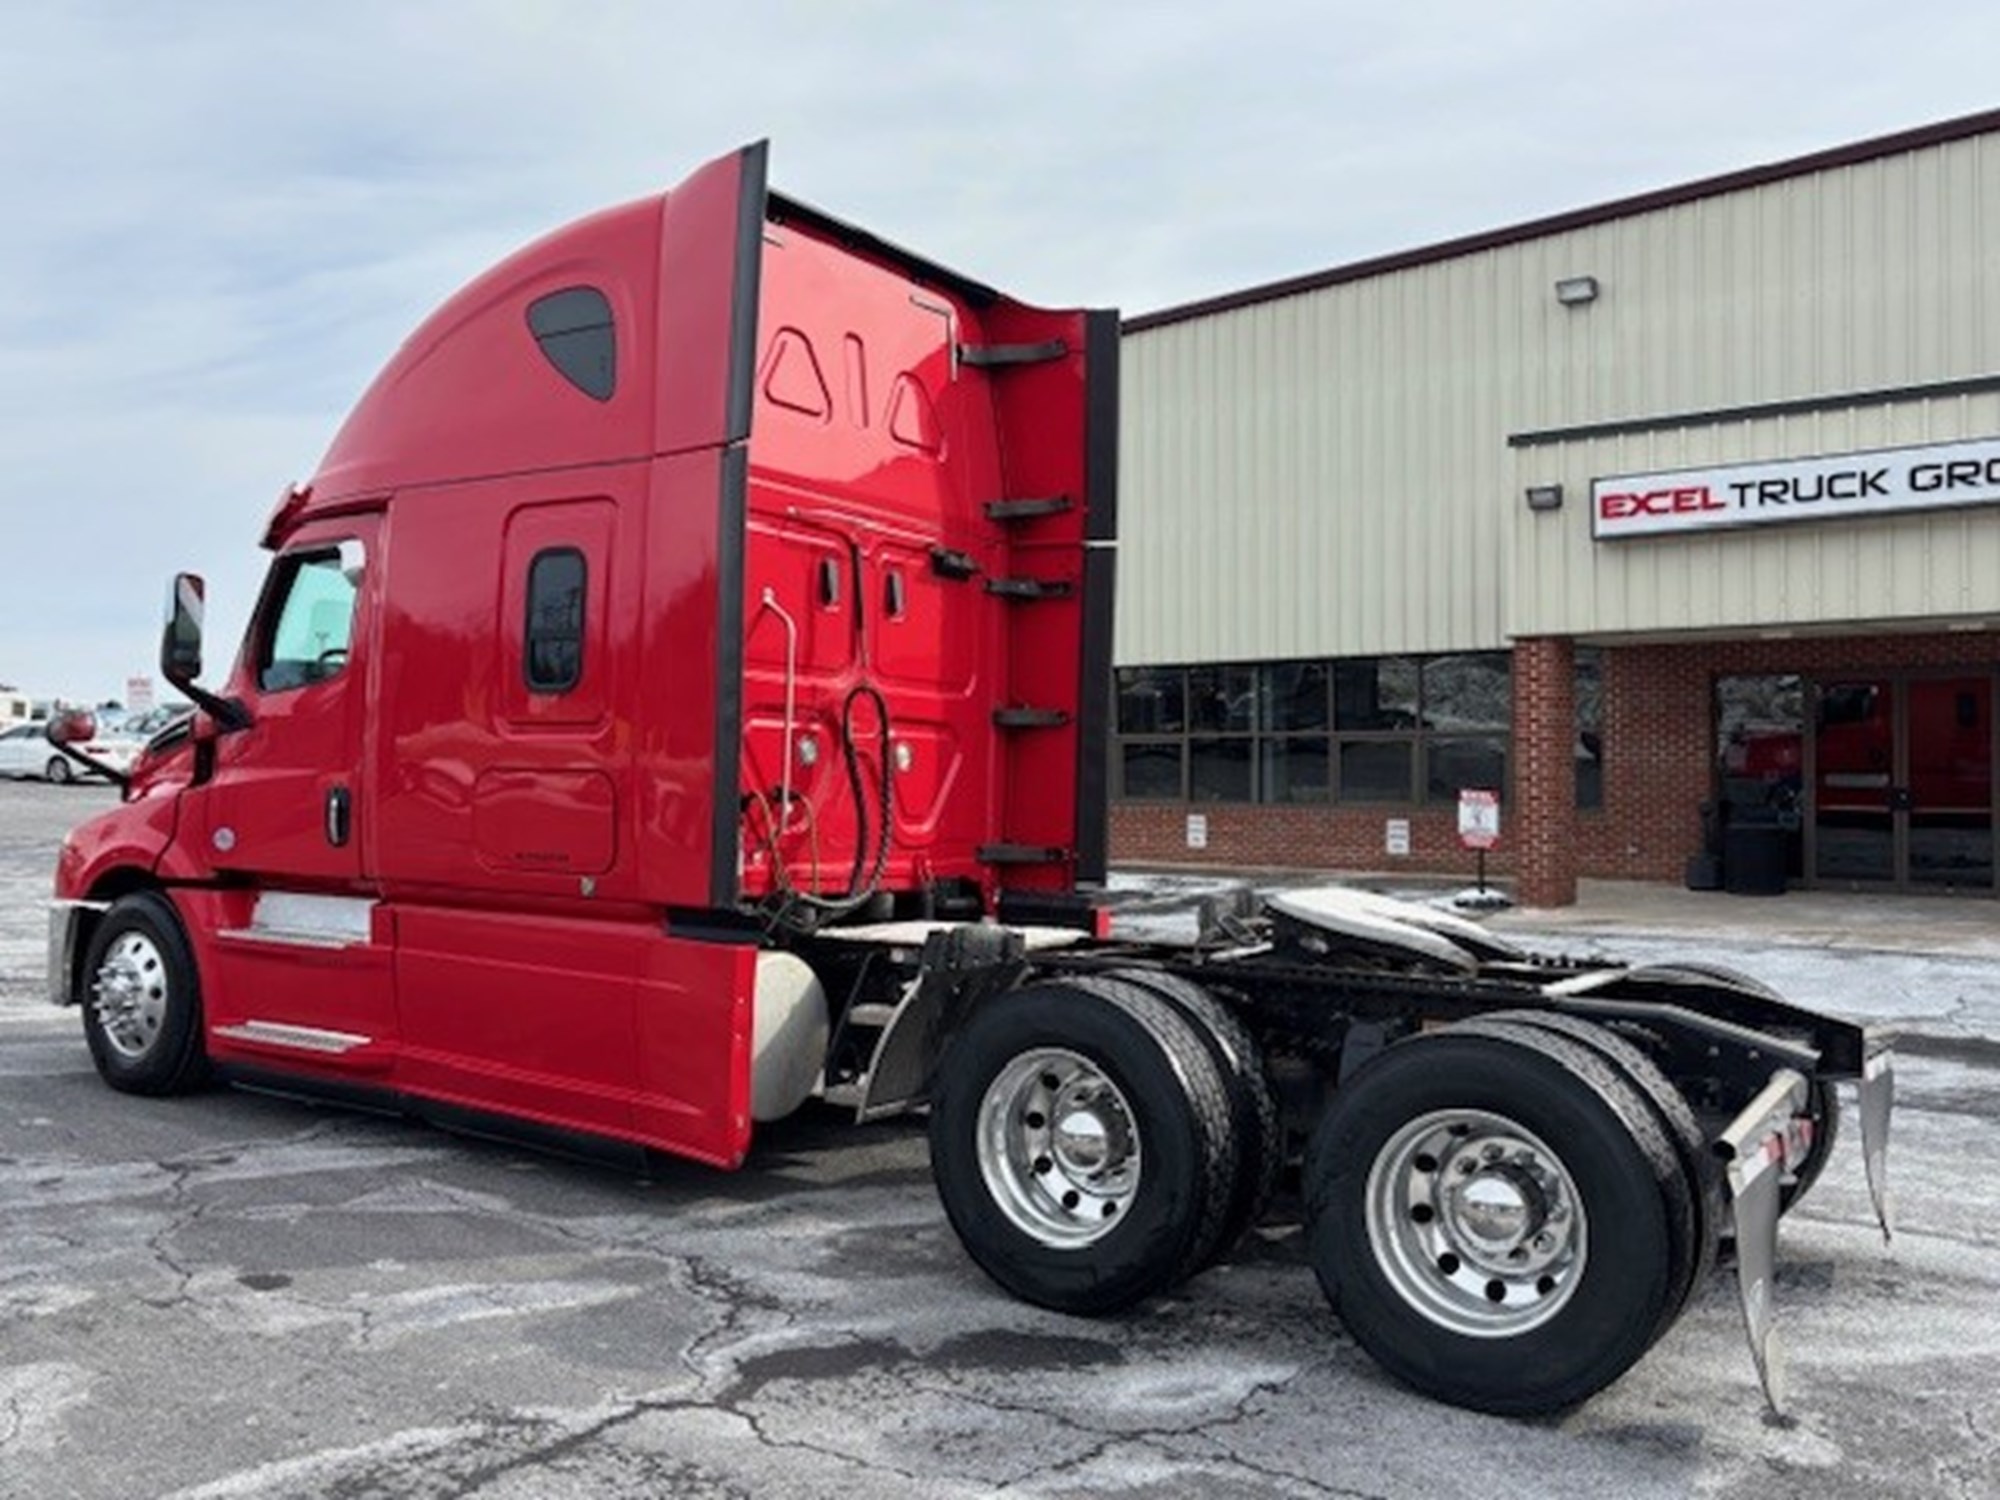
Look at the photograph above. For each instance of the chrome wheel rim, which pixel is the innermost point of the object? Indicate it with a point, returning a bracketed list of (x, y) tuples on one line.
[(1476, 1223), (129, 994), (1059, 1148)]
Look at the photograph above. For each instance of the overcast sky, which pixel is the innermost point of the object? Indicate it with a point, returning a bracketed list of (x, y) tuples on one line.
[(217, 219)]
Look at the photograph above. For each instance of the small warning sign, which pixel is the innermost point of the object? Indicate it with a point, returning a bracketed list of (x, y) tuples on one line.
[(1478, 817)]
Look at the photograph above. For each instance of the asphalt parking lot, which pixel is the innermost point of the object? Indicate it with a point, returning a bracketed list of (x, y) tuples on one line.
[(234, 1295)]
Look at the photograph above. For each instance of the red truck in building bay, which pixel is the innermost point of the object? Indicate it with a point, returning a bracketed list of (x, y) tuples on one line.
[(681, 694)]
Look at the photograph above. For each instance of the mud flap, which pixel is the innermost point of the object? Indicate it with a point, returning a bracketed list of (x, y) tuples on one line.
[(900, 1068), (1756, 1144), (1878, 1094)]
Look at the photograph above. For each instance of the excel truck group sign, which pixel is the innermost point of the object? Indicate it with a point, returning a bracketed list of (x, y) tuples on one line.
[(1886, 482)]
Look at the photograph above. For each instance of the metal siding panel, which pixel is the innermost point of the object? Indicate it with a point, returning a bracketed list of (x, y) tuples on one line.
[(1327, 475), (1873, 275)]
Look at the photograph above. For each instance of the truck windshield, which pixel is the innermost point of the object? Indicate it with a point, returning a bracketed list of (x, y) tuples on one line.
[(313, 618)]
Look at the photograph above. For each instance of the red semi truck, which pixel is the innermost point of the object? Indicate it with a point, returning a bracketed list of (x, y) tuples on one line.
[(681, 694)]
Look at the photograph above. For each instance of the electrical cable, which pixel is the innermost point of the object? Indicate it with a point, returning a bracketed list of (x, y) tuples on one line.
[(796, 904)]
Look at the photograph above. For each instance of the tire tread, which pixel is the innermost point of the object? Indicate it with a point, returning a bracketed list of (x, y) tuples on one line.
[(1259, 1125)]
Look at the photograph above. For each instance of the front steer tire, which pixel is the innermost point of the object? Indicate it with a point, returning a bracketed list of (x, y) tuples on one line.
[(1395, 1224), (1083, 1144), (142, 999)]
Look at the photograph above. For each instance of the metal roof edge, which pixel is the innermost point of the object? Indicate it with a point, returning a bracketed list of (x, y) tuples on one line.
[(1940, 133)]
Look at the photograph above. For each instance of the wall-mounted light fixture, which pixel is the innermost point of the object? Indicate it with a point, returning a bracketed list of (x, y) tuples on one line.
[(1545, 497), (1575, 291)]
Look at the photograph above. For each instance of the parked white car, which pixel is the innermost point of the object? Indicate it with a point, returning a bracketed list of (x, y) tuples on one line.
[(26, 751)]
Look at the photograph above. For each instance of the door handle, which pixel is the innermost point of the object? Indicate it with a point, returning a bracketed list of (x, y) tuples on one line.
[(339, 805)]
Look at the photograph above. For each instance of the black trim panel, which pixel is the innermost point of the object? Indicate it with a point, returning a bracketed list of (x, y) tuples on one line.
[(1093, 717), (732, 520), (1100, 580), (730, 545), (750, 198), (1071, 909), (370, 1098), (577, 1145), (1100, 423), (705, 926), (458, 1119), (1972, 385)]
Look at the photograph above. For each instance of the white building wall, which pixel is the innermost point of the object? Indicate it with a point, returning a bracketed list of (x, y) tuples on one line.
[(1330, 473)]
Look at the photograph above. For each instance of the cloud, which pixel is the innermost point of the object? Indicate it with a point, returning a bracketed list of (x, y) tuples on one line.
[(219, 219)]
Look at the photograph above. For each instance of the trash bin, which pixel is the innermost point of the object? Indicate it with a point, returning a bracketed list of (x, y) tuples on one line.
[(1754, 855), (1704, 866)]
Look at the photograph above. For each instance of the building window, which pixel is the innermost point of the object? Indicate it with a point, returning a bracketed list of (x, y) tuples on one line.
[(1589, 728), (1395, 730), (1152, 700), (1760, 724)]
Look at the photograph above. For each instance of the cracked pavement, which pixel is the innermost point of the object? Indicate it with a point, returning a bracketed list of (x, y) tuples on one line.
[(237, 1295)]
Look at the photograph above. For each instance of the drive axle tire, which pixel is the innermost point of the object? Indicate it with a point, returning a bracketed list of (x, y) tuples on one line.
[(142, 999), (1490, 1211), (1260, 1133), (1674, 1115), (1083, 1144)]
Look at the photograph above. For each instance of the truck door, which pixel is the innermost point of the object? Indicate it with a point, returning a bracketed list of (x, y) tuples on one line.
[(299, 975), (286, 795)]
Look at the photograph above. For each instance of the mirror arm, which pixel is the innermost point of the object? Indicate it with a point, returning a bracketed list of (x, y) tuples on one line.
[(88, 762), (228, 713)]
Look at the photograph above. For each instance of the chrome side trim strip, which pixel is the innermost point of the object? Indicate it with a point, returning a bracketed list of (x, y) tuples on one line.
[(305, 1038), (287, 939)]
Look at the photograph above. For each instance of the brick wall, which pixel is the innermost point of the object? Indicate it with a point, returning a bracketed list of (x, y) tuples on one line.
[(1544, 764), (1659, 749), (1291, 838), (1659, 732)]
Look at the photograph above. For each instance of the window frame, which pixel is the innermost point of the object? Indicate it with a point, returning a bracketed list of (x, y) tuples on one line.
[(349, 559), (576, 329)]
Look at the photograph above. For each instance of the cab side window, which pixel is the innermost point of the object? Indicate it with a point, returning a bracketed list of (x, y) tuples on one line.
[(553, 659), (311, 621)]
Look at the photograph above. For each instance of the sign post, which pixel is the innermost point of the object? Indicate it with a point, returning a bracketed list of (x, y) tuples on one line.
[(1479, 824)]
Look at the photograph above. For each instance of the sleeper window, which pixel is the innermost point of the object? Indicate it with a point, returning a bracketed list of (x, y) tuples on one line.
[(576, 333), (553, 658)]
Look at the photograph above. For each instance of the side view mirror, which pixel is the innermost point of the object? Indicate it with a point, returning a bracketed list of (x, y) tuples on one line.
[(180, 651), (78, 726), (180, 642)]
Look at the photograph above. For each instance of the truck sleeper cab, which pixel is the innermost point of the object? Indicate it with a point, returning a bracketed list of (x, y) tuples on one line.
[(681, 693)]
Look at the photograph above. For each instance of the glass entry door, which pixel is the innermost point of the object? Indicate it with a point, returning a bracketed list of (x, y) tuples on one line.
[(1902, 781), (1949, 728), (1854, 819)]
